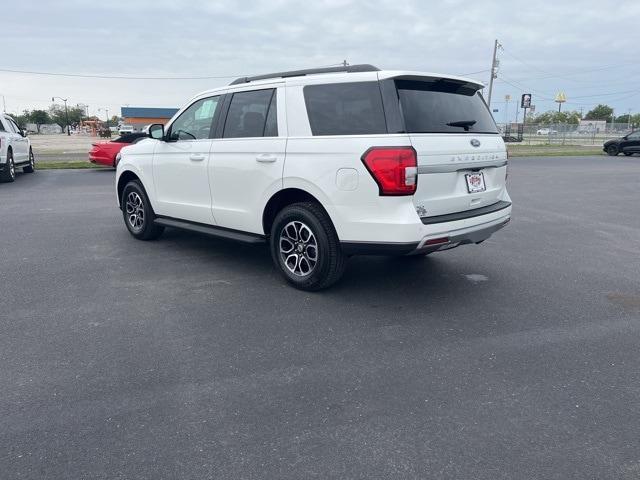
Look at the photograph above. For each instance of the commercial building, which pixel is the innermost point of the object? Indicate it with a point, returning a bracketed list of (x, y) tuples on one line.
[(140, 117)]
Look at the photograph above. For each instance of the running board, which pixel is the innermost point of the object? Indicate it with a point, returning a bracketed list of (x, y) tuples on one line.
[(212, 230)]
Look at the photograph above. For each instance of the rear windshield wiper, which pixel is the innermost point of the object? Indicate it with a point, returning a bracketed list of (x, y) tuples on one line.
[(463, 123)]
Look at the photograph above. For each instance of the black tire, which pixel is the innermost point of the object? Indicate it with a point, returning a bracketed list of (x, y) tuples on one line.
[(628, 154), (32, 163), (302, 271), (612, 151), (8, 174), (137, 213)]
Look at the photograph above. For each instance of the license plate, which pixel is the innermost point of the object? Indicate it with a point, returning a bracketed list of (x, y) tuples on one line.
[(475, 182)]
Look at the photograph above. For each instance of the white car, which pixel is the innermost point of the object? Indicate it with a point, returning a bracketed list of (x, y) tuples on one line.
[(546, 131), (123, 129), (323, 164), (15, 150)]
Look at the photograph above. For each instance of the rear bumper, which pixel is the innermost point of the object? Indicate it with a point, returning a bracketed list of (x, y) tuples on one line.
[(470, 229)]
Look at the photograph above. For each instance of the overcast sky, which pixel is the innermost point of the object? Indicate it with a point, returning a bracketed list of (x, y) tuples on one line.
[(587, 49)]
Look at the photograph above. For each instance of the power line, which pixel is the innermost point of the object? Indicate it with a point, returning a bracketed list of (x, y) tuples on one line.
[(113, 77), (125, 77)]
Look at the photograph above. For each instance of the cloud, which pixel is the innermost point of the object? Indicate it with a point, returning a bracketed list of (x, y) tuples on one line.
[(556, 40)]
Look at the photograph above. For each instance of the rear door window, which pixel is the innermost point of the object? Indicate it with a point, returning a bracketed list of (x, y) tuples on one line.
[(443, 106), (248, 115), (345, 109)]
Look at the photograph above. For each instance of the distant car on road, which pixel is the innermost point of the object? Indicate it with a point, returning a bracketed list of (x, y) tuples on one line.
[(15, 150), (546, 131), (629, 144), (104, 153), (125, 129)]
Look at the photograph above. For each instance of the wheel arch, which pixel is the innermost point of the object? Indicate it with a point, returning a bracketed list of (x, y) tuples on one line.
[(281, 199), (126, 177)]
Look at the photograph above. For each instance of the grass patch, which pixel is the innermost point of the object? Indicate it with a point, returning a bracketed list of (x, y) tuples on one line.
[(66, 165), (552, 150)]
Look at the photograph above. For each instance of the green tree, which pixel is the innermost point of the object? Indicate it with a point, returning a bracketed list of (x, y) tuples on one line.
[(59, 116), (601, 112), (554, 117), (39, 117)]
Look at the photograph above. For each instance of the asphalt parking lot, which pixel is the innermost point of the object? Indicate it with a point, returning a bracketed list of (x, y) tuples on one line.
[(189, 357)]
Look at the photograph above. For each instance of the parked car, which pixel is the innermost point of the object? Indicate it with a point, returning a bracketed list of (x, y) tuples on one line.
[(629, 144), (15, 150), (546, 131), (123, 129), (104, 153), (322, 164)]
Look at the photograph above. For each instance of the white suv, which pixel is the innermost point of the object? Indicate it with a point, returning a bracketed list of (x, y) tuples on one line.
[(15, 150), (323, 164)]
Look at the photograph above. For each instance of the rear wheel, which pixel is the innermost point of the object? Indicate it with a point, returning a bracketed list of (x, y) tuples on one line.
[(32, 163), (305, 247), (9, 173), (137, 212), (628, 154), (612, 151)]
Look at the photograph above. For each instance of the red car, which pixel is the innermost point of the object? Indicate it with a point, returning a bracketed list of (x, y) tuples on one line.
[(105, 153)]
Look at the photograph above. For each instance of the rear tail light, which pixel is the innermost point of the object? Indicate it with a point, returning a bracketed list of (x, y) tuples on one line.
[(395, 169)]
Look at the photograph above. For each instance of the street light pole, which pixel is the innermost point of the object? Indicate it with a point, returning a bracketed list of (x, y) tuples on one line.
[(66, 112)]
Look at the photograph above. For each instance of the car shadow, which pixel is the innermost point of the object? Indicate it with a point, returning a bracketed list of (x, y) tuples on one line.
[(365, 276)]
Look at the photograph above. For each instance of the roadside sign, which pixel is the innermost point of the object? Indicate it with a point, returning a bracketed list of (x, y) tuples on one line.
[(525, 102), (532, 108), (495, 110)]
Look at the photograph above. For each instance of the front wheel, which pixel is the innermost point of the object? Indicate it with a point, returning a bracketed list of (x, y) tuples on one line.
[(32, 163), (138, 214), (612, 151), (305, 247)]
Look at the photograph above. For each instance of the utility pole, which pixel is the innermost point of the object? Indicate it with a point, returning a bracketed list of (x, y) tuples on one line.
[(494, 70)]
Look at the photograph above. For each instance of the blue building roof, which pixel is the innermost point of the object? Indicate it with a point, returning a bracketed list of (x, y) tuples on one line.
[(145, 112)]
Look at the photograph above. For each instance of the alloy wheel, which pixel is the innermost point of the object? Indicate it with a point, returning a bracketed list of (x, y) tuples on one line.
[(12, 168), (298, 248), (135, 211)]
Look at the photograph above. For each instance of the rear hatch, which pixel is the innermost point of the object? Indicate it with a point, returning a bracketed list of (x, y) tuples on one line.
[(461, 156)]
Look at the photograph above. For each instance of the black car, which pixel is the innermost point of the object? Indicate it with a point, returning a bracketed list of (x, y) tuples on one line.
[(629, 144)]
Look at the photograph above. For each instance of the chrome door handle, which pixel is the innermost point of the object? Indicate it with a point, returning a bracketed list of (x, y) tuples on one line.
[(266, 158), (196, 157)]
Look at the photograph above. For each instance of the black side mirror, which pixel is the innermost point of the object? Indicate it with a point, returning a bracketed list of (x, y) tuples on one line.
[(156, 131), (23, 133)]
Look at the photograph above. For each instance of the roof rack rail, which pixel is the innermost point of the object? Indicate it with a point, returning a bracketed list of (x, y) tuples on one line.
[(301, 73)]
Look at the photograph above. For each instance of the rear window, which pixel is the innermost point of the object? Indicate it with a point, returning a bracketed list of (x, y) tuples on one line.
[(443, 106), (345, 109)]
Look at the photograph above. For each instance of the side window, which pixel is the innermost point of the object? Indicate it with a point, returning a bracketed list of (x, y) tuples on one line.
[(248, 112), (634, 136), (196, 121), (345, 109), (2, 129)]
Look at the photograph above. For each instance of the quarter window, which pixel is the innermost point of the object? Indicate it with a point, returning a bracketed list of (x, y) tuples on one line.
[(252, 114), (345, 109), (196, 121)]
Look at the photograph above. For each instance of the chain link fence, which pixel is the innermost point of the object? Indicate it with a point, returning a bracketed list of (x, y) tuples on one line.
[(563, 134)]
